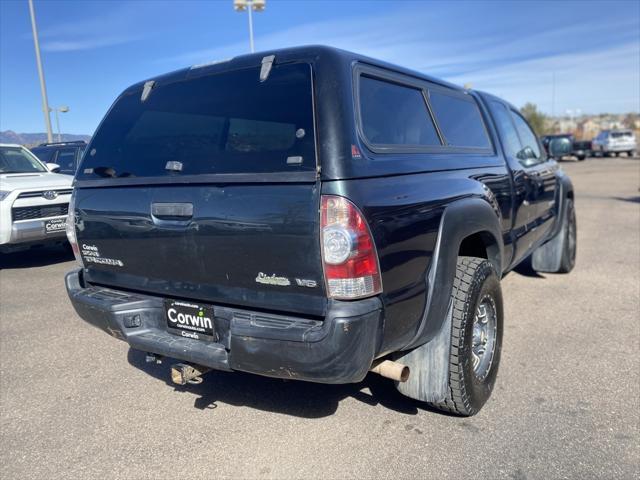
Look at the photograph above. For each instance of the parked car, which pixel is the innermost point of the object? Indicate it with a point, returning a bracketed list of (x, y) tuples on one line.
[(613, 142), (580, 149), (312, 214), (33, 200), (65, 154)]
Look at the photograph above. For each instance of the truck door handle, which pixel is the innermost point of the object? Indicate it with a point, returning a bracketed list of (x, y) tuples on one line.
[(177, 211)]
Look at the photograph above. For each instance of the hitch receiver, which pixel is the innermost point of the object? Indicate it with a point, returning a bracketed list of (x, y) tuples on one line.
[(183, 373)]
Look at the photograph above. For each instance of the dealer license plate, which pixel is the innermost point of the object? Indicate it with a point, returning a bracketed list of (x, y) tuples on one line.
[(55, 225), (189, 319)]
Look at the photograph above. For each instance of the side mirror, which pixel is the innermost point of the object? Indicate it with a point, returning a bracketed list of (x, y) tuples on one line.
[(53, 167), (526, 153), (559, 147)]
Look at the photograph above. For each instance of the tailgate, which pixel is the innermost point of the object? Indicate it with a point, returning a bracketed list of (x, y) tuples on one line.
[(252, 245), (203, 185)]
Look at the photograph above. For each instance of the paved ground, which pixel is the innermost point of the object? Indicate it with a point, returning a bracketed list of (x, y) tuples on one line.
[(78, 404)]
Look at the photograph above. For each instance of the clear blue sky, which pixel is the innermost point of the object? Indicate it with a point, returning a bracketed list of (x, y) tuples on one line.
[(92, 50)]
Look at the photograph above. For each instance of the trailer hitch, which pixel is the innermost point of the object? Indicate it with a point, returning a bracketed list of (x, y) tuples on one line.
[(183, 373)]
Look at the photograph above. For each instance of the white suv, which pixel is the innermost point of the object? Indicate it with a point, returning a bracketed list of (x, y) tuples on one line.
[(33, 200), (610, 142)]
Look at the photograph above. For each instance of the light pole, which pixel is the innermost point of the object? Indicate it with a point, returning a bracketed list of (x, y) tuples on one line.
[(43, 87), (63, 109), (249, 6)]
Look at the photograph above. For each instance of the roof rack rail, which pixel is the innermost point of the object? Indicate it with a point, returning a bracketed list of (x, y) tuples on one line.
[(72, 142)]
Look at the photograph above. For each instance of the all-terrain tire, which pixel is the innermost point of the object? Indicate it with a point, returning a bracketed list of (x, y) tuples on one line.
[(475, 283)]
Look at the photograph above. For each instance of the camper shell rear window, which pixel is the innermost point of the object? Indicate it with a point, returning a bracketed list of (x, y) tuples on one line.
[(224, 123)]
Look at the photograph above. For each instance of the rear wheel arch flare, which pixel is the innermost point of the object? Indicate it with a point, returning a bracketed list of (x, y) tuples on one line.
[(461, 219), (482, 244)]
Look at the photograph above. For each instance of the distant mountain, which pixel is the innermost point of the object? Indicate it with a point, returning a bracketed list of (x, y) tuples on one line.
[(32, 139)]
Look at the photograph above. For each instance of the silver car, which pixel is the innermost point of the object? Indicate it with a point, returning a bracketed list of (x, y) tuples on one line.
[(611, 142)]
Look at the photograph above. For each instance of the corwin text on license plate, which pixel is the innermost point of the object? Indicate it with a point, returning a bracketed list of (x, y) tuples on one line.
[(189, 319)]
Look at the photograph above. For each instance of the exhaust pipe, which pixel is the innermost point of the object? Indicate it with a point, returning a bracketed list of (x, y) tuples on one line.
[(390, 369), (183, 373)]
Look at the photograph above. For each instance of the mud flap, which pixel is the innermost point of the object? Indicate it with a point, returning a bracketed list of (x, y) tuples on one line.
[(548, 257), (429, 366)]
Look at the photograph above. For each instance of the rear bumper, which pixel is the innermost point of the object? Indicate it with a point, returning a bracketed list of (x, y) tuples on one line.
[(339, 349), (620, 147)]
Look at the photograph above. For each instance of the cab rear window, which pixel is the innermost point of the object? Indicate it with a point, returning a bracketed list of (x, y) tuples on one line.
[(44, 154), (223, 123), (621, 134)]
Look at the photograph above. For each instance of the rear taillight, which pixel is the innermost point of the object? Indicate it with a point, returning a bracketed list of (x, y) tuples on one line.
[(349, 255), (71, 229)]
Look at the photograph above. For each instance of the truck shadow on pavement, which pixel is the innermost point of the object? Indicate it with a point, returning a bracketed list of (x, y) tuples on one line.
[(289, 397), (36, 257), (525, 268), (628, 199)]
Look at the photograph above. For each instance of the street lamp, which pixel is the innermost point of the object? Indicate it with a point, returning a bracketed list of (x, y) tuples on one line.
[(249, 5), (63, 109), (43, 87)]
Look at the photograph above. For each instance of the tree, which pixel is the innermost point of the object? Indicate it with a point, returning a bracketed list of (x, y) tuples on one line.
[(630, 120), (536, 119)]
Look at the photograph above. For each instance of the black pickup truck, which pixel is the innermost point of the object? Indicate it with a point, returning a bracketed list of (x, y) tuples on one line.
[(580, 149), (313, 214)]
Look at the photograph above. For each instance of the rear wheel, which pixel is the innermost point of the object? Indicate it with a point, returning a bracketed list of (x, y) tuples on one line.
[(476, 336), (581, 157)]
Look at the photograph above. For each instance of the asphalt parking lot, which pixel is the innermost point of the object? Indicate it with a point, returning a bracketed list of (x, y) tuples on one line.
[(78, 404)]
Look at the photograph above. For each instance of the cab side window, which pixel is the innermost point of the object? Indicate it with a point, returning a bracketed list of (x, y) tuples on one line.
[(507, 129), (530, 153)]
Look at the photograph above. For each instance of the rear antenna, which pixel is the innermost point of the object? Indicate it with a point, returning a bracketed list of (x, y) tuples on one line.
[(146, 91), (267, 63)]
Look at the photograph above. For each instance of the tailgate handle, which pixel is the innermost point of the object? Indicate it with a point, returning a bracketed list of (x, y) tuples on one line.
[(172, 210)]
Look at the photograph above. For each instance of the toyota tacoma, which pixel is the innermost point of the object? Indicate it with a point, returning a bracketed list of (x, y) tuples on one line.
[(313, 214)]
